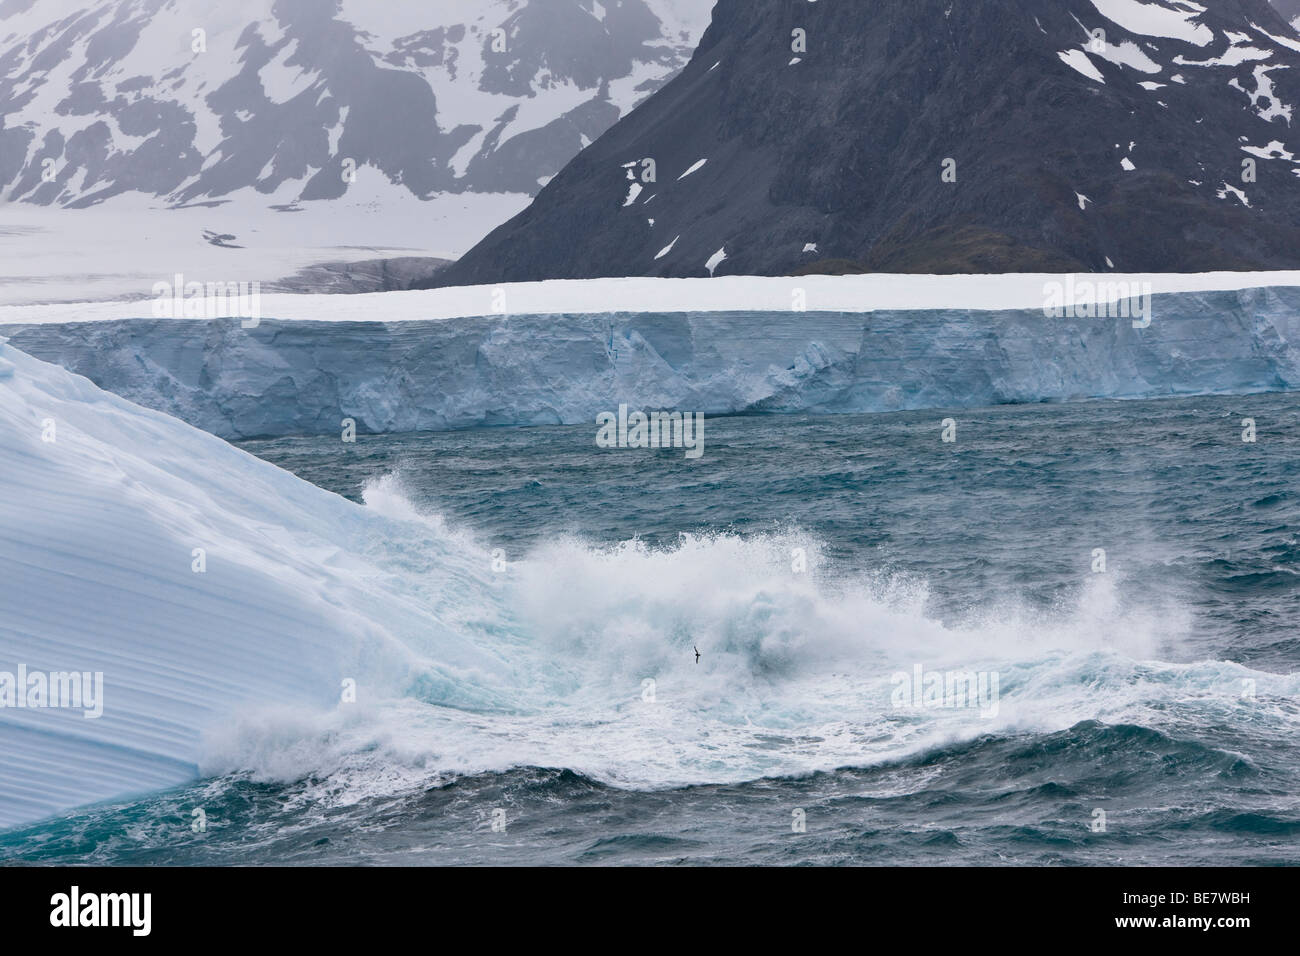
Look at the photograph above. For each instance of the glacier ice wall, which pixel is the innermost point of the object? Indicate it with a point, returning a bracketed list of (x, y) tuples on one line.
[(305, 377)]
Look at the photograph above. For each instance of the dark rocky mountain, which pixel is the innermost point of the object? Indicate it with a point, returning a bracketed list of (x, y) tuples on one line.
[(1163, 143), (1289, 9)]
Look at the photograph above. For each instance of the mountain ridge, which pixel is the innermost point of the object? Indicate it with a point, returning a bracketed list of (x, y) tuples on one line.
[(1070, 153), (189, 104)]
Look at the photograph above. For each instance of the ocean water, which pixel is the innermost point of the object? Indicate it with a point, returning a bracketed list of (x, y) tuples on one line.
[(1121, 579)]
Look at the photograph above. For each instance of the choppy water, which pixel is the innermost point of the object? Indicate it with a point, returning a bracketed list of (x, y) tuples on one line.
[(1162, 691)]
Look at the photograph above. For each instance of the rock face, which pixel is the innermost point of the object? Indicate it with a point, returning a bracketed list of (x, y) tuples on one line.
[(305, 377), (933, 136), (1289, 9), (370, 275), (190, 101)]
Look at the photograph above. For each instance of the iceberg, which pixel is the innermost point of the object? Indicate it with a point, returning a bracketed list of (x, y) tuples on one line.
[(205, 585), (305, 377)]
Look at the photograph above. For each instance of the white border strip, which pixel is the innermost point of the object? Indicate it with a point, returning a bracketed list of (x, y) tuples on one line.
[(864, 293)]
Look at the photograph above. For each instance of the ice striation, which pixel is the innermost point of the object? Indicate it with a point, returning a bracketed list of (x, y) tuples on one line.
[(206, 586)]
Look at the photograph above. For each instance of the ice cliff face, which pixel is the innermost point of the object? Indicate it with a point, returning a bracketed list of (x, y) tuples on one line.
[(304, 377)]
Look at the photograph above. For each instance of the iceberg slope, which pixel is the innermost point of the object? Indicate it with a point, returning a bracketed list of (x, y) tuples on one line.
[(102, 505)]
